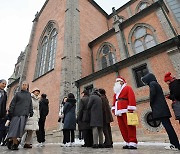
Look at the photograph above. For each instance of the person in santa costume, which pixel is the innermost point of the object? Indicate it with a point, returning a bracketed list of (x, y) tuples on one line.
[(124, 101)]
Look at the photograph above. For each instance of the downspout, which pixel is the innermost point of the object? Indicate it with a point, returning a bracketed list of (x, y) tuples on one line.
[(77, 95), (124, 40), (92, 57)]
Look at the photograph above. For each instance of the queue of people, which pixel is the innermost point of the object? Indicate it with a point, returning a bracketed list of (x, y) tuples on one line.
[(27, 114), (22, 118)]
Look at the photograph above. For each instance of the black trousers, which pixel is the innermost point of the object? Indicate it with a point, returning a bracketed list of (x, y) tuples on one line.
[(170, 131), (88, 137), (41, 132), (68, 135), (2, 135), (80, 135), (107, 134)]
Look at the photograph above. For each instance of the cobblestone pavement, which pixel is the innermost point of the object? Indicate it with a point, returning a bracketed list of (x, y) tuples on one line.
[(57, 149)]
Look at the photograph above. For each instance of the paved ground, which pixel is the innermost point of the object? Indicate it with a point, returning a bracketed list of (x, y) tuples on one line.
[(143, 148)]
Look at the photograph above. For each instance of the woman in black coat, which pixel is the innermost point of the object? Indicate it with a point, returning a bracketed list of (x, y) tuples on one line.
[(84, 120), (69, 120), (160, 109)]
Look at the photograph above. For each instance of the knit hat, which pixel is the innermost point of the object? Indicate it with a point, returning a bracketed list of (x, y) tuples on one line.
[(168, 77), (121, 79), (35, 89)]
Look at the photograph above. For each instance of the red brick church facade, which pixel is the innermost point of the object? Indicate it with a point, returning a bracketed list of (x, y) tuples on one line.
[(75, 44)]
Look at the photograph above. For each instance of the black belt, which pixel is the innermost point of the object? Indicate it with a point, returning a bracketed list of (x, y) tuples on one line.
[(120, 99)]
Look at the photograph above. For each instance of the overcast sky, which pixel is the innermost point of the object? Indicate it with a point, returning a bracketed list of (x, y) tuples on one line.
[(15, 26)]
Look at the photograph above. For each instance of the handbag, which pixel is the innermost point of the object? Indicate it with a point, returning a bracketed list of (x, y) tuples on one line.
[(132, 118), (176, 109)]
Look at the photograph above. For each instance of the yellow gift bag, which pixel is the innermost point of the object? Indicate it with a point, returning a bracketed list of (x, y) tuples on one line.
[(132, 118)]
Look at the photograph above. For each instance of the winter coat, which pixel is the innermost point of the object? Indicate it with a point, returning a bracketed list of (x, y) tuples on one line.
[(32, 122), (107, 115), (158, 103), (21, 104), (3, 100), (44, 108), (174, 88), (82, 109), (69, 114), (124, 100), (95, 107)]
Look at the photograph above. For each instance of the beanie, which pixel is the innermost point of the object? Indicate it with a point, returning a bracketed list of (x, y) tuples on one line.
[(168, 77)]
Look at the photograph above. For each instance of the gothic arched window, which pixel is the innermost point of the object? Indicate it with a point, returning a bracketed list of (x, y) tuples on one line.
[(52, 50), (47, 50), (141, 6), (106, 56), (142, 39)]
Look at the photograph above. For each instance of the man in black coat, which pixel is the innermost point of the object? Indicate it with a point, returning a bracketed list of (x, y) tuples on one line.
[(84, 122), (174, 87), (160, 109), (3, 100), (43, 111)]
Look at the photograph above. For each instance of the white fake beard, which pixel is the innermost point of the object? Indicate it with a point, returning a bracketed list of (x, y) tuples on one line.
[(117, 87)]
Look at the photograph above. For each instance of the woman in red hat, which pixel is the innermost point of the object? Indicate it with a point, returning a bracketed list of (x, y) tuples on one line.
[(174, 87)]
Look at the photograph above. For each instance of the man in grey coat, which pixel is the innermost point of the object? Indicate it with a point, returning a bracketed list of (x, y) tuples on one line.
[(96, 120)]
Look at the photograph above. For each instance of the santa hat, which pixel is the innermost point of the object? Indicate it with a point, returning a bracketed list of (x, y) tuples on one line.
[(168, 77), (119, 78)]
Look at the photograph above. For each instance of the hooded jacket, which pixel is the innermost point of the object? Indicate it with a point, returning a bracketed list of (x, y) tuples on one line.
[(158, 102)]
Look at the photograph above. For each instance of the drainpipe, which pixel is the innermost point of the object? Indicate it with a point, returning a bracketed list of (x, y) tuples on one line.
[(124, 40), (92, 58)]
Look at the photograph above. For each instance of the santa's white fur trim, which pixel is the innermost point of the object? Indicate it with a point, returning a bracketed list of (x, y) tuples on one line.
[(119, 79), (113, 108), (131, 107), (133, 144)]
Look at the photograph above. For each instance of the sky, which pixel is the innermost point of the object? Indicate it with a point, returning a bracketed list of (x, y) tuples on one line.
[(16, 18)]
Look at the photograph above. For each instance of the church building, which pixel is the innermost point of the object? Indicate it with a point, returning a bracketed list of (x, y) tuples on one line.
[(75, 45)]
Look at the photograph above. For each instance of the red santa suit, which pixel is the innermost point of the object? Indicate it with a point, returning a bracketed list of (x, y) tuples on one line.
[(124, 101)]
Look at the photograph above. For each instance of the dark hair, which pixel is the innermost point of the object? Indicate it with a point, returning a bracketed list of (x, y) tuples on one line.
[(71, 95), (43, 95), (85, 92), (102, 91), (63, 100)]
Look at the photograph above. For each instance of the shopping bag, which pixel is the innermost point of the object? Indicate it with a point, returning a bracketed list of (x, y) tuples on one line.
[(132, 118)]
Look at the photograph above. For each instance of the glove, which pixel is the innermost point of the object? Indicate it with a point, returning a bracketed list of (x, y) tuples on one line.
[(131, 111)]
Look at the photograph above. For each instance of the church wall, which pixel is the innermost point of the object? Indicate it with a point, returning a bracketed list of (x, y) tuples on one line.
[(50, 82), (92, 25), (144, 131), (96, 49)]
